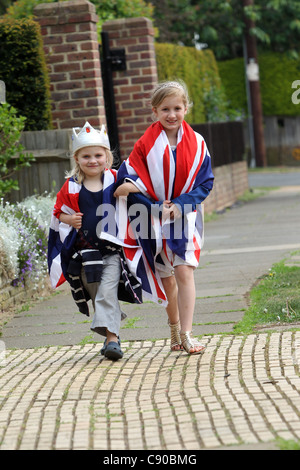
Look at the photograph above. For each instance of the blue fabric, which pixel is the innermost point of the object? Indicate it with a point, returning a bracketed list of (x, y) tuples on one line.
[(88, 204)]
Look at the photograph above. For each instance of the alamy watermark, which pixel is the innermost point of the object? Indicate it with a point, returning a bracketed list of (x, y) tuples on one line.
[(2, 354), (296, 95), (145, 222)]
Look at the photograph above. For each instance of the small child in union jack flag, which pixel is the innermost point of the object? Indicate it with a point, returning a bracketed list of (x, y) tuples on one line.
[(81, 248), (170, 167)]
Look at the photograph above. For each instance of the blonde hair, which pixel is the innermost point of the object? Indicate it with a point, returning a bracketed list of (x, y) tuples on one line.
[(78, 174), (168, 88)]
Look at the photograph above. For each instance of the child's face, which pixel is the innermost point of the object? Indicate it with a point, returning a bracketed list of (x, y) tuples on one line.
[(92, 160), (170, 113)]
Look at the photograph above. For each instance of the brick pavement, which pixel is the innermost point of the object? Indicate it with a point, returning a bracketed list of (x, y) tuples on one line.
[(243, 390), (57, 392)]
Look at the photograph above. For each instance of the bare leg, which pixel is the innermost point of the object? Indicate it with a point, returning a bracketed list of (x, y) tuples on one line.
[(111, 337), (171, 290), (186, 301), (186, 295)]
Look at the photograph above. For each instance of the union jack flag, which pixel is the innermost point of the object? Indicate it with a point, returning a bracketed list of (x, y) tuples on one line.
[(62, 237), (186, 180)]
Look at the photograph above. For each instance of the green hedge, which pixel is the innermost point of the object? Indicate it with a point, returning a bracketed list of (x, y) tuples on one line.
[(23, 69), (233, 80), (198, 69), (277, 73)]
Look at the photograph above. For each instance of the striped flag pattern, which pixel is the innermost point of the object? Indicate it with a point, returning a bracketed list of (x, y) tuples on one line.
[(158, 176), (62, 237)]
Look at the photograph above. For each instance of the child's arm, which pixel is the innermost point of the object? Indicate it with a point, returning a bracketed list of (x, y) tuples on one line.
[(125, 188), (75, 220)]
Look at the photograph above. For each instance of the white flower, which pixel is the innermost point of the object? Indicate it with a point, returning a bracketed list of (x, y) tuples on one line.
[(23, 230)]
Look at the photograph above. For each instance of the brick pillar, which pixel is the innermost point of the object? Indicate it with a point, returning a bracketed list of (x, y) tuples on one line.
[(69, 32), (133, 86)]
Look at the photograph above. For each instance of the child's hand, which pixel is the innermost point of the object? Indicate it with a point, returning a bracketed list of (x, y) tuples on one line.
[(76, 220), (170, 211), (125, 188)]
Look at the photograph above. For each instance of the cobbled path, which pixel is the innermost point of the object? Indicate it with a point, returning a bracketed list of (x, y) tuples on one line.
[(58, 392), (243, 390)]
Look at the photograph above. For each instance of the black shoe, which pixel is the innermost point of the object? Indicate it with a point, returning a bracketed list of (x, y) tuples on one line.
[(102, 352), (113, 351)]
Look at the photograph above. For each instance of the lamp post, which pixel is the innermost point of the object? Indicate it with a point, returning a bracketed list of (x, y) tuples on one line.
[(252, 77), (2, 91)]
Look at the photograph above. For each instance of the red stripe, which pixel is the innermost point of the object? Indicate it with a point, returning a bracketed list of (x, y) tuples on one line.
[(185, 156), (61, 280), (67, 198), (129, 253), (150, 136), (138, 157), (138, 161), (166, 166), (197, 249)]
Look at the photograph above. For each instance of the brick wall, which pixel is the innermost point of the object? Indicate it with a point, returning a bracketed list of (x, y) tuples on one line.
[(231, 181), (69, 32), (14, 296), (133, 87)]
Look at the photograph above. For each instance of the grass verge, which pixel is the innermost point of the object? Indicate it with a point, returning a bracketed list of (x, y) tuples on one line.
[(288, 444), (275, 300)]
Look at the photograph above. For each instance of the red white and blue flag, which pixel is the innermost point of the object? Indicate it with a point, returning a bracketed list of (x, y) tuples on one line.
[(186, 180), (115, 228)]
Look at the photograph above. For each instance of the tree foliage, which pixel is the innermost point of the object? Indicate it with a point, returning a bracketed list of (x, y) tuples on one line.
[(219, 24), (216, 24), (4, 4), (106, 9), (11, 150)]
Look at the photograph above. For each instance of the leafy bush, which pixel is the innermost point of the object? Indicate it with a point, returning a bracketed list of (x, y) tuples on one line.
[(23, 239), (24, 71), (11, 156), (199, 70), (277, 73), (218, 108), (232, 73)]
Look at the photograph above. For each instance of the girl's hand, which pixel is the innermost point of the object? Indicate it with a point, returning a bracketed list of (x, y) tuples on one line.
[(170, 211), (75, 220)]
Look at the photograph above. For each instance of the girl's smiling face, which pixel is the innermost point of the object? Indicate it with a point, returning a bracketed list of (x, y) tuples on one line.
[(92, 160), (170, 112)]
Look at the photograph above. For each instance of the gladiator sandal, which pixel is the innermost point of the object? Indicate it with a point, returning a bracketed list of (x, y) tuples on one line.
[(175, 336), (188, 343)]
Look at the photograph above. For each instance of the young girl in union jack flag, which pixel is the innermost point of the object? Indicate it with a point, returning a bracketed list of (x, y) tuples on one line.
[(84, 247), (170, 169)]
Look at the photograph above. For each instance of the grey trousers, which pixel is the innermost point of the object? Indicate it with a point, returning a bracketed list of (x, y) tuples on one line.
[(104, 295)]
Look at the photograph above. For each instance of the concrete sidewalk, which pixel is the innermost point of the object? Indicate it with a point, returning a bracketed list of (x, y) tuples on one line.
[(57, 392)]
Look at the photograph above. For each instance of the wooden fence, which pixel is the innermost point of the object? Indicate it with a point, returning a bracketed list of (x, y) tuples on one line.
[(51, 150), (282, 140), (225, 141)]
